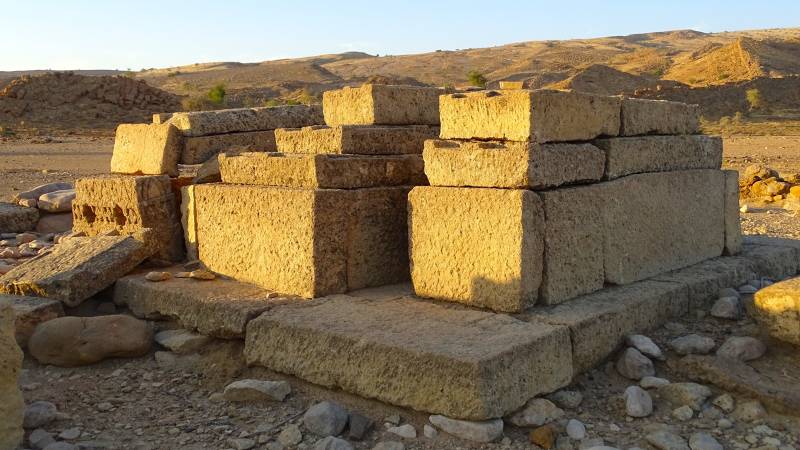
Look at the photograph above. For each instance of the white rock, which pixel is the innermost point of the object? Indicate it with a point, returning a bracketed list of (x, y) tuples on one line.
[(638, 402), (645, 345), (683, 413), (290, 436), (692, 344), (634, 365), (389, 445), (690, 394), (653, 382), (727, 308), (40, 438), (39, 414), (576, 429), (325, 419), (664, 440), (484, 431), (57, 201), (590, 443), (566, 399), (704, 441), (332, 443), (241, 443), (256, 390), (70, 434), (405, 431), (181, 341), (724, 423), (535, 413), (742, 348), (429, 431)]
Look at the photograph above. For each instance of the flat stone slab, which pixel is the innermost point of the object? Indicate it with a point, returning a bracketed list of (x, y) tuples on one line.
[(17, 219), (523, 115), (198, 149), (516, 165), (379, 104), (322, 171), (204, 123), (150, 149), (705, 279), (355, 139), (78, 268), (30, 312), (642, 116), (642, 154), (435, 358), (778, 310)]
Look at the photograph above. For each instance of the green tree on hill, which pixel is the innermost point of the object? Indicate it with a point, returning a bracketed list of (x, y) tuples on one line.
[(754, 98), (216, 94), (476, 78)]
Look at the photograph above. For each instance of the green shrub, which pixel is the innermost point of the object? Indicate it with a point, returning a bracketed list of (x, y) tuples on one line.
[(476, 78), (754, 98), (216, 94)]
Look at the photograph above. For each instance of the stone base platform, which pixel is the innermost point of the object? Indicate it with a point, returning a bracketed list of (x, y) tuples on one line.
[(439, 357)]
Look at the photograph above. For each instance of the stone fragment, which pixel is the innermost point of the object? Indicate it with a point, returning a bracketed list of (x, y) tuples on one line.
[(544, 437), (290, 436), (643, 116), (29, 313), (634, 365), (54, 223), (632, 155), (61, 446), (389, 445), (332, 443), (376, 104), (704, 441), (724, 402), (150, 149), (727, 308), (429, 431), (181, 341), (157, 276), (481, 247), (749, 411), (12, 406), (39, 414), (355, 139), (38, 191), (522, 115), (204, 123), (664, 440), (188, 211), (199, 149), (70, 434), (692, 344), (39, 438), (358, 426), (743, 348), (202, 274), (683, 413), (689, 394), (645, 345), (75, 341), (537, 412), (483, 431), (325, 419), (777, 309), (733, 228), (576, 429), (638, 402), (57, 201), (257, 390), (566, 399), (652, 382), (241, 443), (406, 431), (16, 219)]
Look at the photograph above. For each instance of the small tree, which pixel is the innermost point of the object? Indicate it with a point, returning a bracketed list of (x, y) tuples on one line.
[(216, 94), (754, 99), (476, 78)]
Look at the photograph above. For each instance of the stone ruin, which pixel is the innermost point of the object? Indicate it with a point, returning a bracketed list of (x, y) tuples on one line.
[(537, 230)]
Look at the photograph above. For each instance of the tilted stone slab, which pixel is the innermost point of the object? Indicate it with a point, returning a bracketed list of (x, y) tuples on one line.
[(150, 149), (641, 154), (379, 104), (733, 227), (322, 171), (658, 222), (517, 165), (777, 309), (355, 139), (309, 242), (458, 362), (78, 268), (30, 312), (197, 150), (642, 116), (477, 246), (599, 322), (522, 115), (16, 219), (204, 123)]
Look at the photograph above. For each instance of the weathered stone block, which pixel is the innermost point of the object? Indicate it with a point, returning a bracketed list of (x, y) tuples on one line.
[(355, 139), (780, 252), (630, 155), (518, 165), (522, 115), (641, 116), (30, 312), (197, 150), (322, 171), (777, 309), (378, 104), (705, 279), (310, 242), (150, 149), (772, 261), (12, 406), (77, 268), (458, 362), (16, 219), (477, 246), (733, 227), (189, 222), (658, 222), (204, 123)]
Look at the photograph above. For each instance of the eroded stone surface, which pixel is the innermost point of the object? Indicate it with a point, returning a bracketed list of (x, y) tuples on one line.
[(199, 149), (11, 408), (16, 219), (30, 312), (204, 123), (733, 227), (630, 155), (377, 104), (355, 139), (777, 309), (642, 116), (150, 149)]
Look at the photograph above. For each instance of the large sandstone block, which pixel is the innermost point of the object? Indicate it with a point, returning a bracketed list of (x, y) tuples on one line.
[(189, 222), (149, 149), (516, 165), (12, 406), (355, 139), (309, 242), (30, 312), (204, 123), (705, 279), (477, 246), (197, 150), (522, 115), (777, 309), (78, 268), (129, 204), (641, 116), (778, 253), (458, 362), (379, 104), (776, 262), (322, 171), (733, 227), (630, 155), (16, 219), (657, 222)]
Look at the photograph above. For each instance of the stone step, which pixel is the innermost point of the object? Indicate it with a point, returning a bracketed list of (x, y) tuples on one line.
[(640, 154), (378, 104), (355, 139)]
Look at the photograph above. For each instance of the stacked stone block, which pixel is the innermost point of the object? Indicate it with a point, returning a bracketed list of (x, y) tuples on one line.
[(538, 197)]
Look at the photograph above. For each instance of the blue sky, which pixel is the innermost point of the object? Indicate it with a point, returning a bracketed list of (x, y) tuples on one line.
[(116, 34)]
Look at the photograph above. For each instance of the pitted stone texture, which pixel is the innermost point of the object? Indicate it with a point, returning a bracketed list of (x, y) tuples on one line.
[(355, 139), (776, 262), (477, 246), (599, 322), (197, 150), (378, 104), (16, 219), (77, 268), (522, 115), (733, 228), (310, 242), (204, 123), (642, 154), (149, 149), (477, 365), (641, 116), (30, 312), (322, 171), (129, 204), (220, 308), (517, 165), (658, 222), (705, 279), (778, 310), (12, 406)]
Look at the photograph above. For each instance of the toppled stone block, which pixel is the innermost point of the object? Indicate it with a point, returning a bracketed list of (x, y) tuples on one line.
[(517, 165), (477, 246), (777, 309), (77, 268), (642, 116), (733, 227), (378, 104), (54, 223), (30, 312), (204, 123), (38, 191), (355, 139), (149, 149), (776, 262), (705, 279), (17, 219), (630, 155), (197, 150), (310, 242), (477, 365), (57, 201), (658, 222), (522, 115), (12, 406), (322, 171)]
